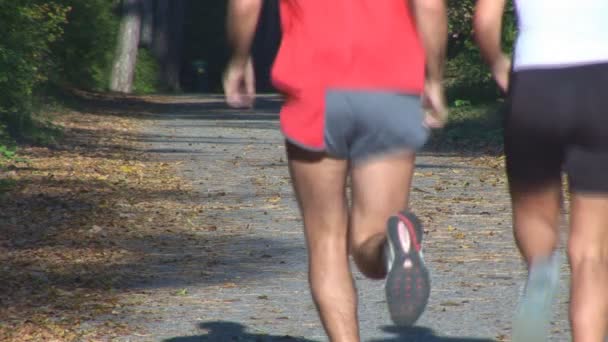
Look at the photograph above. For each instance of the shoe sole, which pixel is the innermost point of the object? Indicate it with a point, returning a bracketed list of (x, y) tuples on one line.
[(408, 283)]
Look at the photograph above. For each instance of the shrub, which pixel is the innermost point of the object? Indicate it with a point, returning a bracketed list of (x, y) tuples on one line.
[(467, 75), (146, 73), (84, 53), (30, 27)]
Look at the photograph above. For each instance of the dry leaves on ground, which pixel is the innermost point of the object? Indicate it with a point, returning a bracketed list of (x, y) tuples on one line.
[(72, 225)]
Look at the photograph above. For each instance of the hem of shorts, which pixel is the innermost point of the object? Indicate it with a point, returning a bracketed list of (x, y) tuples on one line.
[(375, 156), (302, 145), (555, 66), (583, 190)]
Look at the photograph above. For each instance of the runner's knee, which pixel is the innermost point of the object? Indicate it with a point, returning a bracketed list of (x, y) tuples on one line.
[(587, 249)]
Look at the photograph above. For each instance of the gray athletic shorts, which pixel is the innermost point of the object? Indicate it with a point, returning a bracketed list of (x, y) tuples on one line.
[(364, 124)]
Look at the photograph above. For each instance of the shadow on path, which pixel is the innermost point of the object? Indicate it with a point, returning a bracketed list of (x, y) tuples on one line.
[(472, 130), (231, 331), (422, 334), (168, 107)]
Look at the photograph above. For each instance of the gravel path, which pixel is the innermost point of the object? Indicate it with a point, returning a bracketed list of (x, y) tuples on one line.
[(251, 283)]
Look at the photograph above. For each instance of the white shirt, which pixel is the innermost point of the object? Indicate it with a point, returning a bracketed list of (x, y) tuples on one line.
[(561, 33)]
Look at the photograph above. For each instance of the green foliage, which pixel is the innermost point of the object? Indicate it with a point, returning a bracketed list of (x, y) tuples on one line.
[(67, 41), (7, 149), (467, 75), (146, 73), (460, 13), (461, 103), (7, 144), (32, 128), (472, 127), (29, 29), (6, 185), (84, 53), (7, 152)]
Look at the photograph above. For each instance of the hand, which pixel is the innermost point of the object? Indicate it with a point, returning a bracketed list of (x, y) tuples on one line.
[(501, 69), (434, 104), (239, 83)]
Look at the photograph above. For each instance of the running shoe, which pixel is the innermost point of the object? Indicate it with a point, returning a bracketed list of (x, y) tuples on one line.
[(534, 313), (408, 284)]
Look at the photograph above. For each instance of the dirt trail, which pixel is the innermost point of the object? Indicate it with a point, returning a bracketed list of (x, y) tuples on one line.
[(230, 265)]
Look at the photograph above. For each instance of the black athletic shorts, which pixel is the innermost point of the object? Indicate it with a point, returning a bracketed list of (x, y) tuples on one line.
[(557, 121)]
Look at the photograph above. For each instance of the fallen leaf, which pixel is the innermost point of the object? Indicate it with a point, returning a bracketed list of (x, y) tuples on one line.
[(274, 200), (450, 303), (95, 229), (459, 235)]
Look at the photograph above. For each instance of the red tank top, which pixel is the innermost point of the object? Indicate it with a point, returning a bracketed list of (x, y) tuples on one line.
[(342, 44)]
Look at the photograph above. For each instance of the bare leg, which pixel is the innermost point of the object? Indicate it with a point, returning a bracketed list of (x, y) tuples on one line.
[(536, 213), (536, 217), (380, 189), (319, 183), (588, 253)]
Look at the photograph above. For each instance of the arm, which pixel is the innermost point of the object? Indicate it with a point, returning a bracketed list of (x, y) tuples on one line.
[(432, 25), (239, 77), (242, 22), (487, 23)]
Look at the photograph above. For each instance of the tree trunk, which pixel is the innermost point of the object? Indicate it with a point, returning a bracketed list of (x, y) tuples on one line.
[(161, 30), (160, 44), (123, 69), (147, 24), (174, 56), (168, 41)]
